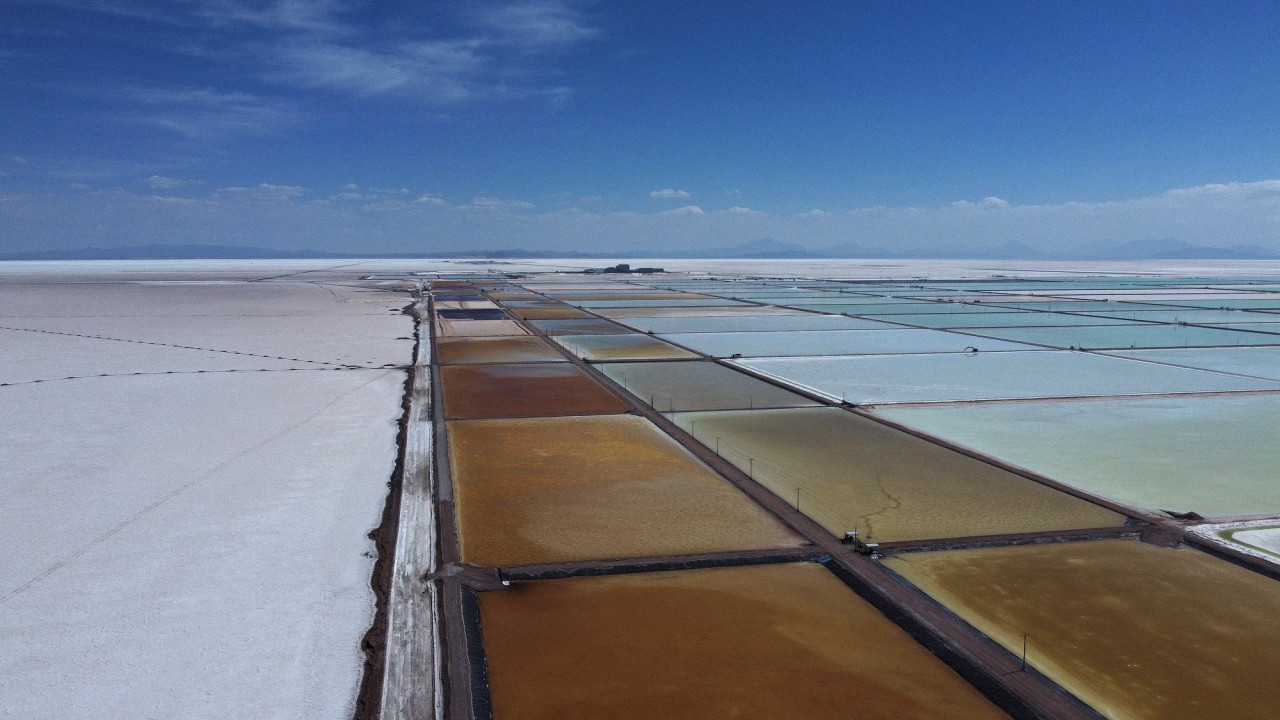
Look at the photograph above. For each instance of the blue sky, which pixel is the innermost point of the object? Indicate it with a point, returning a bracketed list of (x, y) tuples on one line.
[(405, 126)]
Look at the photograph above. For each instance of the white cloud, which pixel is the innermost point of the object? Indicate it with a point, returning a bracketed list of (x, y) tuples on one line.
[(986, 202), (325, 45), (669, 193), (438, 71), (205, 114), (491, 203), (429, 199), (536, 25), (161, 182), (316, 16), (263, 192), (291, 51), (1236, 189), (176, 200), (814, 213), (686, 210), (1219, 215), (739, 210)]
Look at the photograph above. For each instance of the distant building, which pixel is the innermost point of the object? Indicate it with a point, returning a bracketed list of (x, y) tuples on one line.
[(623, 268)]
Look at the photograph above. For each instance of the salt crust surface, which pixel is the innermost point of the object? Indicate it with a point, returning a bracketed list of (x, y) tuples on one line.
[(191, 544), (300, 323), (1262, 536)]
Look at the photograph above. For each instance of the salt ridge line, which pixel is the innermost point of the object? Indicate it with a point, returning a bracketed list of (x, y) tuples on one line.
[(411, 678)]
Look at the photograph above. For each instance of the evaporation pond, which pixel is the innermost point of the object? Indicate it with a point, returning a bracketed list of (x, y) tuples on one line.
[(1136, 631), (465, 305), (944, 377), (1215, 455), (584, 326), (1257, 361), (918, 307), (699, 385), (578, 297), (835, 342), (854, 473), (1023, 318), (1264, 539), (694, 302), (538, 302), (1133, 335), (622, 347), (513, 295), (754, 323), (766, 641), (477, 328), (1197, 316), (713, 311), (515, 349), (547, 490), (514, 390), (564, 312)]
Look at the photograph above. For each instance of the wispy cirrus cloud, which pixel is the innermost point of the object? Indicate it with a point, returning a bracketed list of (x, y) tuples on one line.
[(434, 71), (669, 194), (249, 67), (433, 53), (534, 26), (204, 114), (162, 182)]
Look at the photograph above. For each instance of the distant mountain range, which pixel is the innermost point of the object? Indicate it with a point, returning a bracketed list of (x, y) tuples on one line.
[(1154, 249), (762, 249), (238, 252)]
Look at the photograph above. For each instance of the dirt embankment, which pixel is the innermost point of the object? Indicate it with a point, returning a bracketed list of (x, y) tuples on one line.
[(369, 696)]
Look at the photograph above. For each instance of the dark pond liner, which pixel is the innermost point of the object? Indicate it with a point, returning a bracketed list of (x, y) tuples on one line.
[(472, 314), (481, 704)]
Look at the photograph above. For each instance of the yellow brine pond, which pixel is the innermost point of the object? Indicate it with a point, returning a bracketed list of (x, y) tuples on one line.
[(1139, 632), (854, 473)]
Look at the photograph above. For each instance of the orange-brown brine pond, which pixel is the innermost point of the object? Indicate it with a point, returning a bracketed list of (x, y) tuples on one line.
[(479, 350), (769, 641), (487, 391), (547, 490)]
